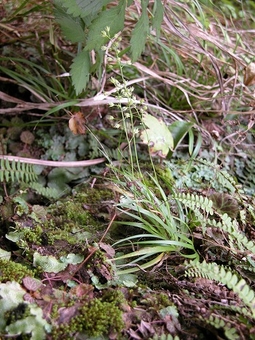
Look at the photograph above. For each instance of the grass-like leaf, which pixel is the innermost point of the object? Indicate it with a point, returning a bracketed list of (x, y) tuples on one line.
[(164, 232)]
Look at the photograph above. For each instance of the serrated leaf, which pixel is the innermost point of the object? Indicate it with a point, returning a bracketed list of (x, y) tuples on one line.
[(139, 35), (83, 8), (72, 30), (112, 18), (158, 12), (157, 136), (80, 71)]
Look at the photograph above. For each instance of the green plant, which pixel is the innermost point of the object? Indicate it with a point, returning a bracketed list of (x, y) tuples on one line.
[(76, 19), (219, 323), (12, 271), (227, 277), (164, 231), (16, 171), (24, 318)]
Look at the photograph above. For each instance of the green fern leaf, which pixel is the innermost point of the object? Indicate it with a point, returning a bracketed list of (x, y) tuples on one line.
[(165, 337), (139, 34), (16, 171), (217, 322), (221, 274), (46, 192), (226, 180), (80, 71), (112, 18)]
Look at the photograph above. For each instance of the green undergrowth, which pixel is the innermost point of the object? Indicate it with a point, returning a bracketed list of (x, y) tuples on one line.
[(160, 245), (171, 242), (64, 224)]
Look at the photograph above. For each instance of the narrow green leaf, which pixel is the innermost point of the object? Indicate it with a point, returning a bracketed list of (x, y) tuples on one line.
[(198, 144), (144, 266), (158, 12), (179, 129), (80, 71)]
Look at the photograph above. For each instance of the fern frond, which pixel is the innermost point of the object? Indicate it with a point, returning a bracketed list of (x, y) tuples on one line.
[(231, 227), (218, 322), (16, 171), (46, 192), (226, 180), (197, 204), (212, 271), (194, 201)]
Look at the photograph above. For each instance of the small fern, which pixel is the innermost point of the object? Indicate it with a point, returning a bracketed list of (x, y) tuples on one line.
[(16, 172), (218, 322), (231, 227), (201, 206), (194, 201), (226, 180), (44, 191), (212, 271)]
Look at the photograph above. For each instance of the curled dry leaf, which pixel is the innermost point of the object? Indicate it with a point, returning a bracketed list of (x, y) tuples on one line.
[(77, 124), (249, 75)]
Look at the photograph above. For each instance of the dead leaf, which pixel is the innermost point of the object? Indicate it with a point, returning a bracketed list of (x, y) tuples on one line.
[(108, 249), (77, 124), (31, 283), (249, 75), (66, 314)]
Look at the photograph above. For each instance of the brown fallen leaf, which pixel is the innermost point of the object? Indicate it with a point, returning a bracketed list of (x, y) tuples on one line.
[(77, 124)]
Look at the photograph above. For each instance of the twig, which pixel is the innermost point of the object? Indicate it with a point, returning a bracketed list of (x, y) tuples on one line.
[(58, 164)]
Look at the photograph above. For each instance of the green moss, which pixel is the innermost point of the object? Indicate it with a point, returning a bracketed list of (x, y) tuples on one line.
[(101, 316), (33, 235), (155, 301), (12, 271), (75, 219), (76, 213)]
